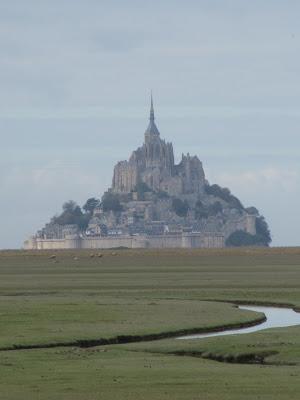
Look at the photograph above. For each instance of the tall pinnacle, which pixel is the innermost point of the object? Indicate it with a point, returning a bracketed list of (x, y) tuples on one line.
[(151, 109), (152, 128)]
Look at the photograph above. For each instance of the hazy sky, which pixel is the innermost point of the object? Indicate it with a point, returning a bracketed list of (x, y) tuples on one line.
[(75, 78)]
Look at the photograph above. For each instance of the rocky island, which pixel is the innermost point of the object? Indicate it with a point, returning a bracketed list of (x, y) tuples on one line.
[(155, 203)]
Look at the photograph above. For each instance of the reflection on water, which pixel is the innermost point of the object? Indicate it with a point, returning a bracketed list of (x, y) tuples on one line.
[(276, 318)]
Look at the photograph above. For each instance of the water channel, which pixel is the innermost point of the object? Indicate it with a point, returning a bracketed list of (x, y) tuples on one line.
[(276, 318)]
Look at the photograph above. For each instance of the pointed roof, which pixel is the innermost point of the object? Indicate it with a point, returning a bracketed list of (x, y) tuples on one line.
[(152, 128)]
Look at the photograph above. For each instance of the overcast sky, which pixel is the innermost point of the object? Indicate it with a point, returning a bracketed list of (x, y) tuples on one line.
[(75, 78)]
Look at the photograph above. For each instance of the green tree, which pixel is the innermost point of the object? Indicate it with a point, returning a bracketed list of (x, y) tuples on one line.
[(263, 231), (141, 188), (83, 221), (200, 210), (69, 206), (224, 194), (111, 202), (91, 204), (71, 214), (215, 208), (241, 238), (252, 211), (180, 207)]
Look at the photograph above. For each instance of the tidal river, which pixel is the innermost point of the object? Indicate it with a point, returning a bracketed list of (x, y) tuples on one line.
[(276, 318)]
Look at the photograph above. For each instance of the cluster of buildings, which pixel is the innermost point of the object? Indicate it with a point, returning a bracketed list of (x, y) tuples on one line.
[(158, 202)]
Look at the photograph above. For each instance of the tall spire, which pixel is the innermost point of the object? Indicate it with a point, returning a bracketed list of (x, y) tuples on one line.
[(151, 109), (152, 128)]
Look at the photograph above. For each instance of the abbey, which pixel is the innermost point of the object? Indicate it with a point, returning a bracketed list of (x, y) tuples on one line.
[(155, 203), (153, 164)]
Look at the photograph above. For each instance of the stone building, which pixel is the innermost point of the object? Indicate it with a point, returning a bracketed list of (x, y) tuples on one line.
[(153, 164)]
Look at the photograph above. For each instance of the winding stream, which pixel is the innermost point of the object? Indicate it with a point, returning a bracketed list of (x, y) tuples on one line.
[(276, 318)]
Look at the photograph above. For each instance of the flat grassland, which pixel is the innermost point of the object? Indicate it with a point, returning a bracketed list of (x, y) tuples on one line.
[(60, 302)]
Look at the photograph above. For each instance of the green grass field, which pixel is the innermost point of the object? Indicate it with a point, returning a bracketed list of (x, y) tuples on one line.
[(47, 301)]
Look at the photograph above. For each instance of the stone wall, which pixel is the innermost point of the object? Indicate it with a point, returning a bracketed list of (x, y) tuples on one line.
[(185, 240), (125, 177), (245, 223)]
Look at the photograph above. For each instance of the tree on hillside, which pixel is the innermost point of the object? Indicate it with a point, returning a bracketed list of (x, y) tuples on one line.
[(91, 204), (263, 231), (215, 208), (242, 238), (111, 202), (141, 188), (70, 206), (224, 194), (200, 210), (71, 215), (252, 211), (180, 207)]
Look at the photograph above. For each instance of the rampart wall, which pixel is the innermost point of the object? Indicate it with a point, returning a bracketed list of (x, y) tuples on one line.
[(188, 240)]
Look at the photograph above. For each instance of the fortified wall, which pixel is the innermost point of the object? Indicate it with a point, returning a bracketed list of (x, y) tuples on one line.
[(185, 240)]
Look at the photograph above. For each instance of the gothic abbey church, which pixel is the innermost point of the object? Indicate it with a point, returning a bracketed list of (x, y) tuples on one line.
[(153, 164)]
